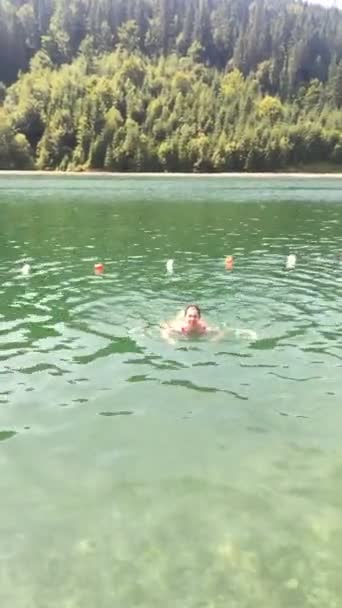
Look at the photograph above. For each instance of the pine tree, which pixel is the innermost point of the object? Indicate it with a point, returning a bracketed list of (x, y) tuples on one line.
[(337, 86)]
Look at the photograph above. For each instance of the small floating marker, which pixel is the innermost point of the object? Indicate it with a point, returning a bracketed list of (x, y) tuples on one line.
[(229, 262), (169, 266), (99, 268), (291, 261), (25, 270)]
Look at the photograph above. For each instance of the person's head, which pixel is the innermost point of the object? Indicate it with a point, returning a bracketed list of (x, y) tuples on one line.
[(192, 315)]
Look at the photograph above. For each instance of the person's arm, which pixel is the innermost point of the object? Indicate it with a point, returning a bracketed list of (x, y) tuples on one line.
[(166, 332), (216, 333)]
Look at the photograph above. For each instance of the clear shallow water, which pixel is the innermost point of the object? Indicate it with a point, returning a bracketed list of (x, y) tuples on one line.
[(138, 474)]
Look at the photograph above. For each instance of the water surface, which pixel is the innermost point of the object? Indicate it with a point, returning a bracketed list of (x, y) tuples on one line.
[(134, 473)]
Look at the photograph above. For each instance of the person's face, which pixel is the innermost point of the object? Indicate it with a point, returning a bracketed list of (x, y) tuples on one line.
[(192, 317)]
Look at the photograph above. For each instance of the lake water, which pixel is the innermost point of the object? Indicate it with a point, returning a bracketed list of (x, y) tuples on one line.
[(138, 474)]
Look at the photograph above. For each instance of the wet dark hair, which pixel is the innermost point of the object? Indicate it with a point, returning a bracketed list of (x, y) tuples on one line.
[(193, 306)]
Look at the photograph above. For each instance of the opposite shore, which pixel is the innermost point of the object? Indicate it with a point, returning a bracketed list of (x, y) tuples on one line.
[(106, 174)]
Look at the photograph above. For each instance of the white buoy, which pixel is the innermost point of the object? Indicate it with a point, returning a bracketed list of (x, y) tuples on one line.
[(25, 270), (169, 266), (291, 261)]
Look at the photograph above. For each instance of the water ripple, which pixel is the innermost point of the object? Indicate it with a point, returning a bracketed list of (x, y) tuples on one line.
[(198, 449), (62, 324)]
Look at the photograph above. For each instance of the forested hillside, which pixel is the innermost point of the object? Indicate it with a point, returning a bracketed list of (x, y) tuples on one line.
[(177, 85)]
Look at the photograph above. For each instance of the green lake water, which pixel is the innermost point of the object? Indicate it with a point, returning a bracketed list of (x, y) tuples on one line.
[(138, 474)]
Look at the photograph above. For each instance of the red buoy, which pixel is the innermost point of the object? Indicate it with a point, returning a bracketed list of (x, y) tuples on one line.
[(99, 268), (229, 262)]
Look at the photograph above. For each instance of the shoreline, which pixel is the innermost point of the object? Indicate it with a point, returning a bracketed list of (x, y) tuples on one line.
[(106, 174)]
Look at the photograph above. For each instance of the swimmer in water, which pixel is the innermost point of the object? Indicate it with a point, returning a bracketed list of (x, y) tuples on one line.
[(190, 324)]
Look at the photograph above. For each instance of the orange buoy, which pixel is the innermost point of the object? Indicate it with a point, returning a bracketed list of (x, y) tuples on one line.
[(99, 268), (229, 262)]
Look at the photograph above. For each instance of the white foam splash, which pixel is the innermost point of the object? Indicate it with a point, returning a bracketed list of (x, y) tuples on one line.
[(247, 334)]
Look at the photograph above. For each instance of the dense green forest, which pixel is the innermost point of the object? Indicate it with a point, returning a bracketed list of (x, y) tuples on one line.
[(170, 85)]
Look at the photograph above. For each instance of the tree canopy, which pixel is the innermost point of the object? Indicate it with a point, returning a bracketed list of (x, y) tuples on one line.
[(201, 85)]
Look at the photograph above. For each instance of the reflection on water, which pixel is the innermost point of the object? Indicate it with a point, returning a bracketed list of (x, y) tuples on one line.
[(138, 473)]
